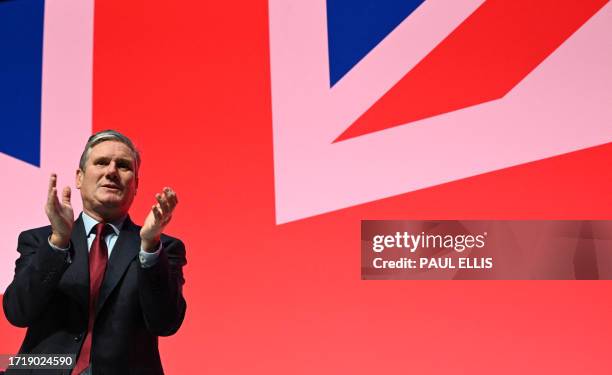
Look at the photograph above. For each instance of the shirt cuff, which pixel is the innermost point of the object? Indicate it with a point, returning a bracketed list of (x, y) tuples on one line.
[(149, 259), (63, 250)]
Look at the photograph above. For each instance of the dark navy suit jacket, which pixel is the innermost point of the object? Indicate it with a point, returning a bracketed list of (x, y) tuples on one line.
[(49, 295)]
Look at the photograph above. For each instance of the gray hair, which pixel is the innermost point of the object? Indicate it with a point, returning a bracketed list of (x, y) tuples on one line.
[(108, 135)]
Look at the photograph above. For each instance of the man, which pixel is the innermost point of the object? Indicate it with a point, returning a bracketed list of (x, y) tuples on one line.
[(100, 287)]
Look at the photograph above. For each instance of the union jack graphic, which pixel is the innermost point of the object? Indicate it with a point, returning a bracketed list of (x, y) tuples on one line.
[(476, 86)]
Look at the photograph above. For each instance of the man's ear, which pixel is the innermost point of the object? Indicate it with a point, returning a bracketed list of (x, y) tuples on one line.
[(136, 191), (79, 178)]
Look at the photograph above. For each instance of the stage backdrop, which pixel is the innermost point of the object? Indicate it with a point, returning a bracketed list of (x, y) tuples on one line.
[(282, 124)]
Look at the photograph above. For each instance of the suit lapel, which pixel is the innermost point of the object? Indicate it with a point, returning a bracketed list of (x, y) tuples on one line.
[(125, 250), (76, 278)]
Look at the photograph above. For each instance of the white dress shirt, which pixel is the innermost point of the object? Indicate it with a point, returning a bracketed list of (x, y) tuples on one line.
[(146, 259)]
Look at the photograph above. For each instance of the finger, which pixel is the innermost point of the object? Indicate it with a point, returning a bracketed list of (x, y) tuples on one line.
[(171, 193), (156, 212), (52, 191), (158, 198), (160, 216), (53, 207), (53, 203), (66, 196), (171, 198), (163, 203), (52, 181)]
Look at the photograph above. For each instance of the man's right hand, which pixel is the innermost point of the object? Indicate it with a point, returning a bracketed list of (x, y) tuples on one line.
[(60, 214)]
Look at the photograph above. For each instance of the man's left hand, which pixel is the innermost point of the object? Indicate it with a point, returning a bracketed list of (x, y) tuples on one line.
[(158, 218)]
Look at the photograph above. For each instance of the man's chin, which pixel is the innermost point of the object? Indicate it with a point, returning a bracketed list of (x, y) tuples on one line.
[(111, 200), (114, 202), (111, 210)]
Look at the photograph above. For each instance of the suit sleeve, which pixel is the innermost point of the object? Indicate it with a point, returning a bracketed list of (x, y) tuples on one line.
[(161, 290), (37, 274)]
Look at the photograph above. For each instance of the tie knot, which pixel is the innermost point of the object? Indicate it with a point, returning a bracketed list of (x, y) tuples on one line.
[(102, 229)]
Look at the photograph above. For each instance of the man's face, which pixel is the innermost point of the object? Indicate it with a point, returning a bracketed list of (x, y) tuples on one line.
[(108, 183)]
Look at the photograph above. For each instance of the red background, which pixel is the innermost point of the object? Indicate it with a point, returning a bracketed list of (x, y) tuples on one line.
[(190, 83)]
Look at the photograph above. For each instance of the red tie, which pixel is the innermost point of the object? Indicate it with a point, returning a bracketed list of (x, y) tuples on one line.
[(98, 257)]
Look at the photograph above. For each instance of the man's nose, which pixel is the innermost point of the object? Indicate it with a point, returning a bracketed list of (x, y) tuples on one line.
[(111, 169)]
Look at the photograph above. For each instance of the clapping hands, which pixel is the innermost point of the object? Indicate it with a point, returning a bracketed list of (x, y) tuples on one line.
[(60, 214), (157, 219)]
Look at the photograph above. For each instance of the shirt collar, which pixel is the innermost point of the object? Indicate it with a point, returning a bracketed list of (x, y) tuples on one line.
[(90, 222)]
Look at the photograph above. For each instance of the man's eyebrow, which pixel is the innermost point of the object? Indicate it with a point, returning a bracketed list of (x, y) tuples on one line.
[(107, 158)]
